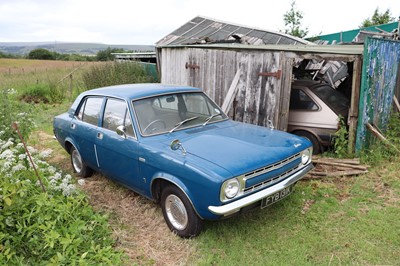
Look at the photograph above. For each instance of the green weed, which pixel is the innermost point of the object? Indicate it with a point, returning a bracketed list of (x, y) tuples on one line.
[(340, 140), (113, 73)]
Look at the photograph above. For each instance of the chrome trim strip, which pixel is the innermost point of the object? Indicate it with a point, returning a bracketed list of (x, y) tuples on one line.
[(97, 158), (235, 206), (271, 167)]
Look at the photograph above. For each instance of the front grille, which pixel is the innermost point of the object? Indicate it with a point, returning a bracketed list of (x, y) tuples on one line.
[(271, 167), (271, 181), (279, 177)]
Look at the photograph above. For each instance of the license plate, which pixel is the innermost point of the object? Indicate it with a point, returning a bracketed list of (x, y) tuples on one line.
[(265, 202)]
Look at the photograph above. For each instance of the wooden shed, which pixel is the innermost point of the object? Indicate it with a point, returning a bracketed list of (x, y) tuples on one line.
[(252, 82)]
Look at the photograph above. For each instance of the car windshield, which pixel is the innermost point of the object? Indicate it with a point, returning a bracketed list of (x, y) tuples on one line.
[(173, 112), (333, 98)]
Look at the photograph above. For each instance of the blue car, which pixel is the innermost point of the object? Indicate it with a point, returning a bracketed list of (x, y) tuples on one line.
[(174, 145)]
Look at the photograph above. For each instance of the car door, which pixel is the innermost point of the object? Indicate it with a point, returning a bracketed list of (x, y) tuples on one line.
[(84, 128), (118, 155)]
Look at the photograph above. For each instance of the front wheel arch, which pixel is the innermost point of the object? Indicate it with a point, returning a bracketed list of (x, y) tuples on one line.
[(178, 212)]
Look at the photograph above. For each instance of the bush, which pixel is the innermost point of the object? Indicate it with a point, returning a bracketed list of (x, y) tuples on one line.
[(113, 73), (43, 93), (56, 227), (14, 111), (41, 54)]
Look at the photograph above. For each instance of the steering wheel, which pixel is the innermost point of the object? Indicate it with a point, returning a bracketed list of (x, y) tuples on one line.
[(151, 127)]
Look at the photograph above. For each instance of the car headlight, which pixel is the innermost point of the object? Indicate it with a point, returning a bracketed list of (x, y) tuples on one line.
[(306, 156), (231, 188)]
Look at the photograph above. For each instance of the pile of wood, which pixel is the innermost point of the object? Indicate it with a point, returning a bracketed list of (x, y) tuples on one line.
[(337, 167)]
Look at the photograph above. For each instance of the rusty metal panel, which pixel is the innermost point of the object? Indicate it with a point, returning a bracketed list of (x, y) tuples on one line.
[(379, 76)]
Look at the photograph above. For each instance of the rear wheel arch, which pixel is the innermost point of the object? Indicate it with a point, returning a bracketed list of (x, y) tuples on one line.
[(68, 146)]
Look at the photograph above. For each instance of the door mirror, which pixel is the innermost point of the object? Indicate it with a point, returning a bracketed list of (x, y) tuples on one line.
[(121, 131)]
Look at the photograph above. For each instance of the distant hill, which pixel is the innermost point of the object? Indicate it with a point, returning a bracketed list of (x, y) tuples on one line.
[(23, 48)]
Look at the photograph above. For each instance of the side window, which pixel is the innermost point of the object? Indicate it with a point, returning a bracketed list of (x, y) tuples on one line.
[(299, 100), (116, 114), (90, 110), (196, 104)]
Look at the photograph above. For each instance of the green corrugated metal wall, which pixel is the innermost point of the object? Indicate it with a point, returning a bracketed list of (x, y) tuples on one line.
[(379, 76)]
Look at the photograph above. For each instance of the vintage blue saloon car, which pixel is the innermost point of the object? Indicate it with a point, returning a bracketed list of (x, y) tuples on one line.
[(174, 145)]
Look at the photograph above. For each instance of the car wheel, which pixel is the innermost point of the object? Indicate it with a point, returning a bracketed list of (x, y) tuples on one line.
[(179, 213), (79, 166), (312, 138)]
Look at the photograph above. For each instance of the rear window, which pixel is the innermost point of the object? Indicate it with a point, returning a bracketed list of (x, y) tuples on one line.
[(90, 110), (333, 98)]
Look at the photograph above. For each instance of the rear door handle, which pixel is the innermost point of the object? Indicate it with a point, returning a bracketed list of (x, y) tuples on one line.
[(99, 135)]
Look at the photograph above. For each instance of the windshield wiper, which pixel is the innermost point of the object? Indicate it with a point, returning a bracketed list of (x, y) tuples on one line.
[(211, 117), (182, 122)]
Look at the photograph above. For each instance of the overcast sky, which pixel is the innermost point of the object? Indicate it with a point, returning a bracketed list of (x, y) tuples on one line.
[(146, 22)]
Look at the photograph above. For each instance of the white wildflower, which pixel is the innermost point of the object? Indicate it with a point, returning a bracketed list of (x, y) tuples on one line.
[(7, 145), (81, 182), (51, 169), (22, 156), (18, 167), (68, 178), (57, 176), (32, 150), (46, 153), (20, 145), (7, 155), (68, 190), (6, 166)]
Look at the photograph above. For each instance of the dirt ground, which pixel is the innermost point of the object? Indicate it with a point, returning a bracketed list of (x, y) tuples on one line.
[(136, 222)]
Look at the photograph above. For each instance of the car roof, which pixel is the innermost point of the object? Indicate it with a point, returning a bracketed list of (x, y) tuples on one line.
[(137, 91)]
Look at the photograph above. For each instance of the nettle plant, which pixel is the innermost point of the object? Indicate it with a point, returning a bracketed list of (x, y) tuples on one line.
[(54, 227)]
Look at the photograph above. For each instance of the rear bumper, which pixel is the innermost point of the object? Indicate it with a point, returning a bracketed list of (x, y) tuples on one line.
[(235, 206)]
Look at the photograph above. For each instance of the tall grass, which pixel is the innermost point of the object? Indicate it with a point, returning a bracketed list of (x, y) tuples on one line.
[(113, 73)]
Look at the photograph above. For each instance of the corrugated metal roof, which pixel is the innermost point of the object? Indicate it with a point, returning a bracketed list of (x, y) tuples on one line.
[(206, 30), (327, 49), (350, 35)]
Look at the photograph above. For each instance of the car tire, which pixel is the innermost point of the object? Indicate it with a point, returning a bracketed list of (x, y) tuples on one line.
[(78, 165), (312, 138), (178, 213)]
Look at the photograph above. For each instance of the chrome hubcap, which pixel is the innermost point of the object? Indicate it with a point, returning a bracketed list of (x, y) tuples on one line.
[(76, 161), (176, 212)]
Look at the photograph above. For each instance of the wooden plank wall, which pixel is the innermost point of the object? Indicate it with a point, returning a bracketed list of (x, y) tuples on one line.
[(259, 98)]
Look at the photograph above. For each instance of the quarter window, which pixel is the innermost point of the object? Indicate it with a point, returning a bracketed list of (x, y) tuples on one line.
[(90, 110), (116, 114)]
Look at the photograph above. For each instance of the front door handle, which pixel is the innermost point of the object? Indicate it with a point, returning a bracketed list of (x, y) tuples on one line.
[(99, 135)]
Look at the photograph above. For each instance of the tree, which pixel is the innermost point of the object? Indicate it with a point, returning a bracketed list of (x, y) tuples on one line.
[(377, 19), (105, 55), (292, 20), (41, 54)]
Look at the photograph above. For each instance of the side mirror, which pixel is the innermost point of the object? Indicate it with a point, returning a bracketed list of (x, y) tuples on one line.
[(176, 145), (121, 131)]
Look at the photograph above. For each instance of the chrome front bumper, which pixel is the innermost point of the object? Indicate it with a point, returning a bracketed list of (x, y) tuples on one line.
[(235, 206)]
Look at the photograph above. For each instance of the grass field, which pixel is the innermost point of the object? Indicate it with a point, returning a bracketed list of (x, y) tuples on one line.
[(329, 221)]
